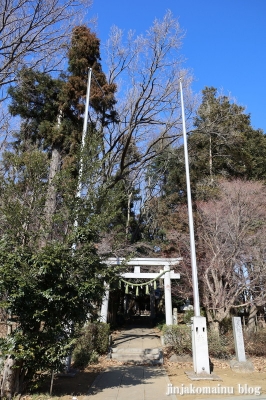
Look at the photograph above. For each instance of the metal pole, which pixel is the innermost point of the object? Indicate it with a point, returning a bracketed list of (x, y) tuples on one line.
[(84, 133), (190, 215)]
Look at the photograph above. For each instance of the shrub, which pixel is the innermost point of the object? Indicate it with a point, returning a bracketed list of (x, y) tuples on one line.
[(102, 338), (93, 340), (226, 326), (255, 343), (178, 337), (220, 346), (188, 314)]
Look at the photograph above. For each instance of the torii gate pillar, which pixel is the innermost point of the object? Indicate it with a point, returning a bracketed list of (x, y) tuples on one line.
[(105, 301), (168, 296)]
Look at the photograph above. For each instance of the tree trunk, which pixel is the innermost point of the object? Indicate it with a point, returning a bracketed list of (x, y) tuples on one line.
[(13, 378), (251, 325), (50, 203), (8, 384), (215, 326), (128, 214)]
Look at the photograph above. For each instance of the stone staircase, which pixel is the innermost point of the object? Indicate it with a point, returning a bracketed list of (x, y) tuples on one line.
[(138, 345), (138, 356)]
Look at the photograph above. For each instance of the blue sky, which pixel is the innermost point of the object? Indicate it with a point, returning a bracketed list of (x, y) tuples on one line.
[(224, 45)]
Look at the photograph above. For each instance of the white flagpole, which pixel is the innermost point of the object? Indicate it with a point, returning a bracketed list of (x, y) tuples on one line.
[(84, 134), (198, 328), (190, 215)]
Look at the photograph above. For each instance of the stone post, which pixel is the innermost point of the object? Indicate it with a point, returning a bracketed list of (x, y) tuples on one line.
[(200, 346), (241, 364), (175, 317), (239, 340)]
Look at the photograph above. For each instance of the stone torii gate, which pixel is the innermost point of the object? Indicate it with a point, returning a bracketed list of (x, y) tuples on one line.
[(137, 263)]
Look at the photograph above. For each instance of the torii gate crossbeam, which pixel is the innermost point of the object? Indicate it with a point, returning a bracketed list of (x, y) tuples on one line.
[(169, 274)]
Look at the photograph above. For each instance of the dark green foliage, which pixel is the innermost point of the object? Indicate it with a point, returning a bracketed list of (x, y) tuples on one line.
[(224, 140), (23, 196), (23, 190), (92, 341), (52, 109), (84, 53), (48, 289), (35, 97), (222, 145), (188, 314), (36, 100), (47, 295)]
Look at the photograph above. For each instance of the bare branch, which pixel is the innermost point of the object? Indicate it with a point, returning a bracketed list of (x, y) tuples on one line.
[(35, 33), (146, 70)]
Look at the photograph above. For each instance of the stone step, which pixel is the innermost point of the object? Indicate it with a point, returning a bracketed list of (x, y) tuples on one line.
[(138, 356), (134, 355), (135, 350)]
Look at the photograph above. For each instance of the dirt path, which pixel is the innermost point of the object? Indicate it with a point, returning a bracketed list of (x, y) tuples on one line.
[(78, 386), (66, 387), (251, 384)]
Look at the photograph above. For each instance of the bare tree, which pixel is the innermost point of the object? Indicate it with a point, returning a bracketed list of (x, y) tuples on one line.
[(34, 33), (146, 70), (4, 127), (231, 249)]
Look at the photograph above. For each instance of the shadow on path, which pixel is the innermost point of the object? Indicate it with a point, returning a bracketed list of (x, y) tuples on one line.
[(126, 377)]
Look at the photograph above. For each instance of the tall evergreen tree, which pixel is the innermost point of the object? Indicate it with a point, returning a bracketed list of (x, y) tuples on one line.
[(224, 139), (84, 53), (47, 289), (223, 144), (52, 112)]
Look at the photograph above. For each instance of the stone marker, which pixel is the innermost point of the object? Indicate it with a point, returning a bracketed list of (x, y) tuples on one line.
[(175, 320), (239, 340), (240, 364)]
